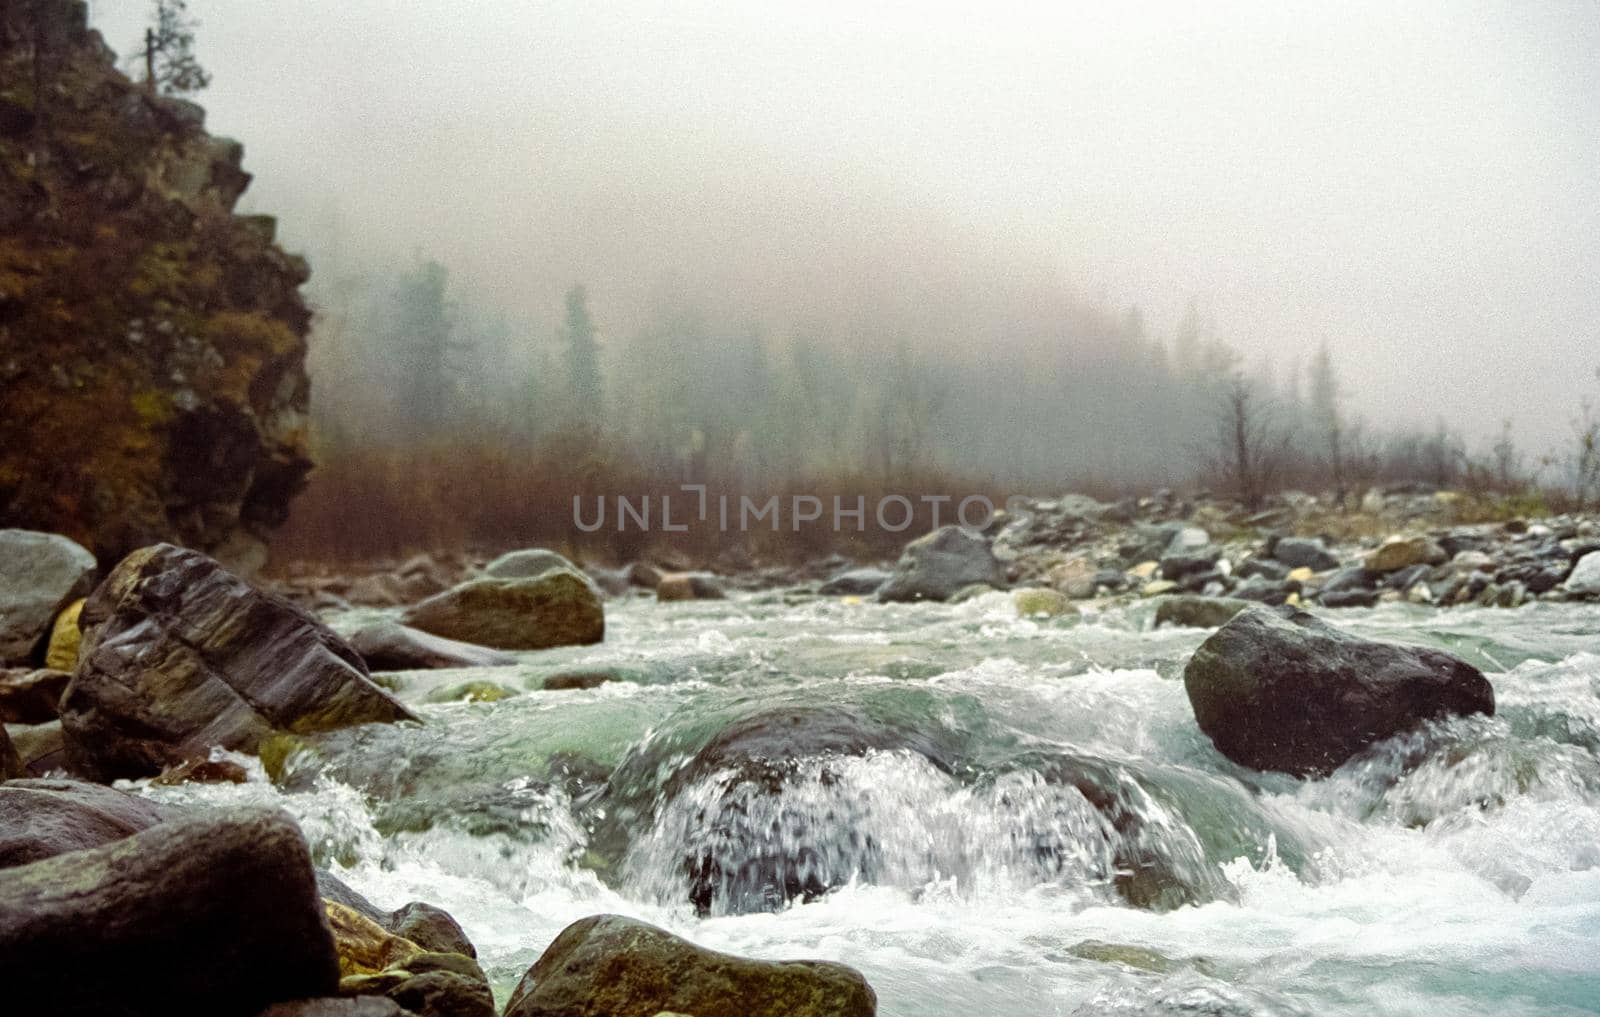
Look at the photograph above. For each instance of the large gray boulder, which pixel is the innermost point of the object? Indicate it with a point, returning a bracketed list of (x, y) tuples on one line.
[(40, 573), (527, 563), (179, 655), (558, 607), (1304, 552), (1278, 689), (386, 645), (619, 967), (44, 818), (214, 913), (1585, 578), (936, 566)]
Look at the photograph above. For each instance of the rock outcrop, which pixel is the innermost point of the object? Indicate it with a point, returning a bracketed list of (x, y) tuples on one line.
[(43, 818), (40, 575), (179, 655), (607, 964), (152, 342), (1277, 689)]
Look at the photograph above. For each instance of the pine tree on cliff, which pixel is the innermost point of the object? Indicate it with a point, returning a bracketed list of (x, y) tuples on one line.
[(170, 66)]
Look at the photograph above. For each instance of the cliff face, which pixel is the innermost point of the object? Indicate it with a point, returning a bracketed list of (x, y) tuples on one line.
[(152, 343)]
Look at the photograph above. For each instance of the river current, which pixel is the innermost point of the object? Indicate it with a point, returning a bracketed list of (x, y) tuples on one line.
[(1057, 775)]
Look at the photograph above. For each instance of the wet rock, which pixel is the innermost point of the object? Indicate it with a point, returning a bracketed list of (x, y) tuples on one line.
[(40, 574), (1403, 552), (1262, 568), (61, 652), (611, 582), (31, 697), (1348, 598), (44, 818), (854, 582), (689, 586), (202, 771), (1585, 578), (1277, 689), (180, 656), (471, 692), (579, 678), (1197, 612), (1304, 552), (526, 564), (211, 913), (444, 993), (387, 645), (334, 1006), (364, 946), (1037, 602), (936, 566), (1182, 565), (11, 765), (642, 575), (1187, 540), (619, 967), (558, 608), (431, 928)]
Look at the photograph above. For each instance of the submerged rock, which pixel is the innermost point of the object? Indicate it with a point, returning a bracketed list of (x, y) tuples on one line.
[(560, 607), (689, 586), (40, 574), (938, 565), (214, 913), (1398, 553), (1038, 601), (1277, 689), (386, 645), (854, 582), (180, 655), (619, 967)]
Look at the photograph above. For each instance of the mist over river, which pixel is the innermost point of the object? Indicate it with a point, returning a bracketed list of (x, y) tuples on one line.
[(1452, 871)]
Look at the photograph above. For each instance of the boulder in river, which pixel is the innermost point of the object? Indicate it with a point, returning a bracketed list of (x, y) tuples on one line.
[(1195, 611), (40, 574), (1585, 578), (936, 566), (41, 747), (1304, 552), (214, 913), (179, 655), (44, 818), (1278, 689), (526, 563), (386, 645), (620, 967), (1398, 553), (559, 607)]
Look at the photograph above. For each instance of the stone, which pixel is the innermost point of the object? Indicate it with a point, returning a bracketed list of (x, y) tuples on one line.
[(202, 771), (557, 608), (180, 656), (854, 582), (1187, 540), (620, 967), (476, 691), (1145, 570), (40, 574), (11, 765), (1584, 580), (1278, 689), (442, 993), (1157, 588), (578, 678), (1299, 575), (215, 912), (1347, 598), (642, 574), (336, 1006), (1181, 565), (526, 564), (364, 947), (1041, 602), (1264, 591), (1304, 552), (61, 653), (31, 697), (44, 818), (1403, 552), (387, 645), (937, 565), (41, 747), (1262, 568), (430, 928), (1195, 611), (689, 586)]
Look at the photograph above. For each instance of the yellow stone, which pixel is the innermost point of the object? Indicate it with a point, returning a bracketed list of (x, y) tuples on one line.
[(1158, 587), (64, 639), (1144, 570), (1301, 574), (852, 600), (364, 946), (1039, 601)]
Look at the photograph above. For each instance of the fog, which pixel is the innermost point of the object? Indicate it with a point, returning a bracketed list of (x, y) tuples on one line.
[(1414, 184)]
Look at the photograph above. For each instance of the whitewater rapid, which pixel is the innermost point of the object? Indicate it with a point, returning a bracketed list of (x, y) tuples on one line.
[(1452, 871)]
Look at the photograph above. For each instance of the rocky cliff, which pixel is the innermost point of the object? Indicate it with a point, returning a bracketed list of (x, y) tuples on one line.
[(152, 342)]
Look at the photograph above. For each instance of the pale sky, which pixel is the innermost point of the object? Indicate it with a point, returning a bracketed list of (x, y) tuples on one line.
[(1418, 183)]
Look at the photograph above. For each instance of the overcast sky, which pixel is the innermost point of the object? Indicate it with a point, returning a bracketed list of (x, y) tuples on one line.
[(1418, 183)]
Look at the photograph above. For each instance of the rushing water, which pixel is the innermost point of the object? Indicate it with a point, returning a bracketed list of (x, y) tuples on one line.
[(1040, 775)]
